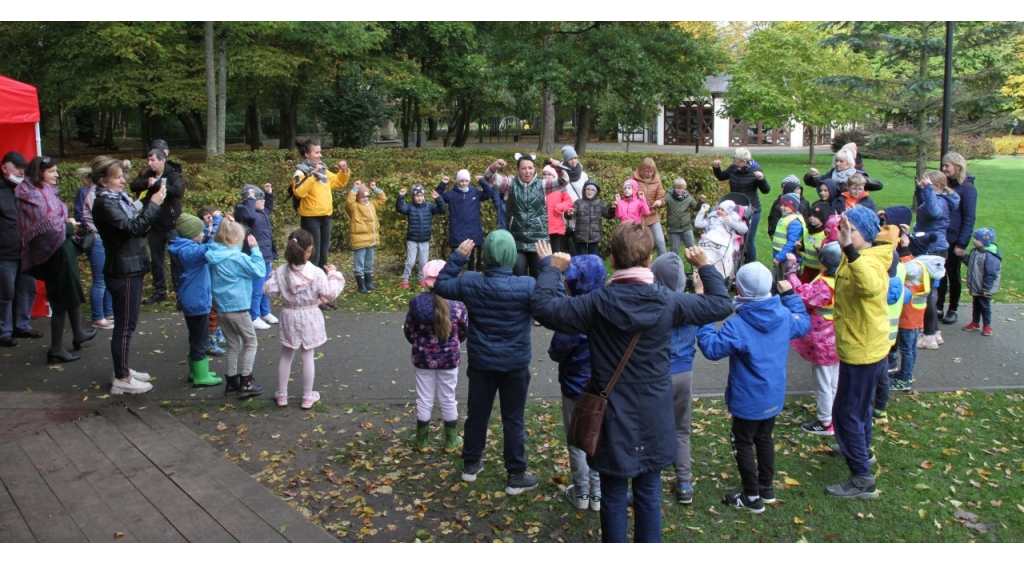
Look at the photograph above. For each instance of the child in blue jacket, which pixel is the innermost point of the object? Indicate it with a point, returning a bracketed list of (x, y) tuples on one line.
[(254, 213), (417, 237), (195, 295), (231, 276), (464, 213), (756, 340), (212, 217), (571, 351), (668, 271)]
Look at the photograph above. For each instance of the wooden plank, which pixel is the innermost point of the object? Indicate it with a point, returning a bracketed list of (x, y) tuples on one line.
[(20, 423), (273, 510), (12, 526), (46, 400), (144, 521), (43, 513), (231, 513), (91, 514), (180, 510)]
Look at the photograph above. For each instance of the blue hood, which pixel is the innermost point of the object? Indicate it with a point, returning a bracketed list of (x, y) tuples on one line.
[(763, 315)]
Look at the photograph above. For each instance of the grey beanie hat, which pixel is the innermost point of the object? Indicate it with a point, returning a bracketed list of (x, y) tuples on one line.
[(754, 280), (829, 256), (259, 195), (568, 152), (668, 271)]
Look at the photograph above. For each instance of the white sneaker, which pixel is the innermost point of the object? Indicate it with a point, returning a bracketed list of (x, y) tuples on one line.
[(938, 337), (140, 376), (269, 318), (259, 324), (133, 386)]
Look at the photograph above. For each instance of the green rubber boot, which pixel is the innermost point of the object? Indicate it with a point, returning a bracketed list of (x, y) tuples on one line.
[(201, 375), (421, 439), (452, 440)]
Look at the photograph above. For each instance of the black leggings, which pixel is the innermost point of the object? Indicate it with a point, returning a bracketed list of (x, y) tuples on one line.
[(951, 281), (320, 229), (526, 262)]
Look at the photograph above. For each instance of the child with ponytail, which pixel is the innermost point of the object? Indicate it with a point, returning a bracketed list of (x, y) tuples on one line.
[(303, 287), (435, 327)]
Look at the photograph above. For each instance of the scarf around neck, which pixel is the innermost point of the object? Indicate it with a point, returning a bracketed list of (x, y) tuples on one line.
[(41, 219), (844, 175), (634, 275), (307, 167), (573, 172)]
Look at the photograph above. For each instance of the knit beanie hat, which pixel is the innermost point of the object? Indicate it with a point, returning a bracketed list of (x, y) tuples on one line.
[(463, 174), (792, 201), (499, 249), (417, 189), (259, 195), (585, 274), (898, 215), (790, 184), (568, 152), (431, 270), (668, 271), (188, 226), (548, 169), (986, 235), (821, 210), (754, 280), (865, 221), (830, 255)]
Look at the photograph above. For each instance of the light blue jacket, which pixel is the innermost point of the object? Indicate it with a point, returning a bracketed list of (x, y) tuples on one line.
[(231, 273)]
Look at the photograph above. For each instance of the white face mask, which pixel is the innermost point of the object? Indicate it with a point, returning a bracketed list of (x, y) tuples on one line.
[(16, 179)]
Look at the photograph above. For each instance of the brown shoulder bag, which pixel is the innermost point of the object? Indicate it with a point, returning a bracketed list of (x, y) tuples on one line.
[(588, 415)]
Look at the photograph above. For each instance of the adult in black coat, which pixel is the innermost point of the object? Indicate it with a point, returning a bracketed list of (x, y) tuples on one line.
[(845, 163), (155, 176), (747, 178)]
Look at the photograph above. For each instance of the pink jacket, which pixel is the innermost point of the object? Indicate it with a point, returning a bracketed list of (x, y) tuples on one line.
[(559, 202), (818, 346), (632, 209)]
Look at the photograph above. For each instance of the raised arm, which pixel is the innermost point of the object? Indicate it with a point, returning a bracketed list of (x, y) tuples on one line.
[(553, 309)]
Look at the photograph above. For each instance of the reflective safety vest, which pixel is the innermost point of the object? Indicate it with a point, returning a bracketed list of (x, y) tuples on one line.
[(812, 244), (782, 230), (919, 299), (828, 312), (896, 308)]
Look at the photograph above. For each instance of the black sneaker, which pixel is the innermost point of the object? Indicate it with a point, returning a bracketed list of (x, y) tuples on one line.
[(156, 299), (469, 471), (739, 501), (857, 487), (950, 317), (816, 427), (519, 483), (767, 494)]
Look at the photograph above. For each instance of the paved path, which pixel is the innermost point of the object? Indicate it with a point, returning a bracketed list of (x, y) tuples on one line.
[(367, 360)]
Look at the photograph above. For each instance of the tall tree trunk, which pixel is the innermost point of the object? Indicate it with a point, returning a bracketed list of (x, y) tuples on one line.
[(192, 129), (431, 129), (922, 117), (108, 130), (222, 94), (418, 130), (582, 129), (60, 129), (546, 144), (289, 117), (462, 126), (211, 90), (559, 123), (147, 127), (405, 121), (814, 139), (252, 122), (85, 125)]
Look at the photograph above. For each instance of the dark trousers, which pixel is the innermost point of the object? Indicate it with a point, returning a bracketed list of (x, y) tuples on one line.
[(950, 281), (512, 387), (127, 296), (851, 412), (526, 263), (587, 248), (158, 241), (982, 310), (320, 229), (17, 294), (751, 255), (476, 260), (931, 310), (198, 335), (748, 435), (560, 243)]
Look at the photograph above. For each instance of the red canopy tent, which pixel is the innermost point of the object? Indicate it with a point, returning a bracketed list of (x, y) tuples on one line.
[(19, 118), (19, 131)]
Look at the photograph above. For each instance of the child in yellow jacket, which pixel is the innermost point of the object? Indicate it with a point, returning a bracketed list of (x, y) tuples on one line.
[(310, 189), (364, 230)]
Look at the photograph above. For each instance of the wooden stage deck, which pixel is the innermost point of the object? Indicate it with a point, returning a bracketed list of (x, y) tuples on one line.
[(123, 470)]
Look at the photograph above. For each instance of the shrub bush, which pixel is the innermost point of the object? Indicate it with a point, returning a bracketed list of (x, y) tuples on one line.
[(1006, 144), (219, 183), (844, 136), (972, 147)]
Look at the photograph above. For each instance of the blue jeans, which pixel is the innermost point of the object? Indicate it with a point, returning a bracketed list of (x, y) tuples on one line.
[(260, 305), (752, 232), (646, 507), (851, 412), (99, 298), (17, 294), (512, 388), (906, 342), (363, 259)]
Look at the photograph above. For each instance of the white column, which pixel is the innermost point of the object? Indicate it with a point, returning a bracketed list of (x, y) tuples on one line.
[(796, 134), (659, 126), (721, 127)]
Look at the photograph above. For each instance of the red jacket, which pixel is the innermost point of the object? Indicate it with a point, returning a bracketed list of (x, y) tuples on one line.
[(559, 202)]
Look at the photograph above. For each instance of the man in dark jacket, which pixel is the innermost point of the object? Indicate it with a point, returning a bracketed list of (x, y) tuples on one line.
[(254, 212), (638, 437), (162, 145), (17, 290), (499, 352), (158, 174)]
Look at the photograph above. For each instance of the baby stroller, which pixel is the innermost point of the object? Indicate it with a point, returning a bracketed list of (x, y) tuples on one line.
[(726, 251)]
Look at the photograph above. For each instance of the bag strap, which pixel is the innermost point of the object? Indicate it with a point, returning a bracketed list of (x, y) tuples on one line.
[(622, 365)]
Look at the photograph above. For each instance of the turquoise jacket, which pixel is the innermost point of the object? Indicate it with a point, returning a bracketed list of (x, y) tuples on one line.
[(231, 274)]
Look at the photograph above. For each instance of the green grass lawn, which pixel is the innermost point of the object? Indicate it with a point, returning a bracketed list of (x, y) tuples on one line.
[(997, 205), (950, 469)]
